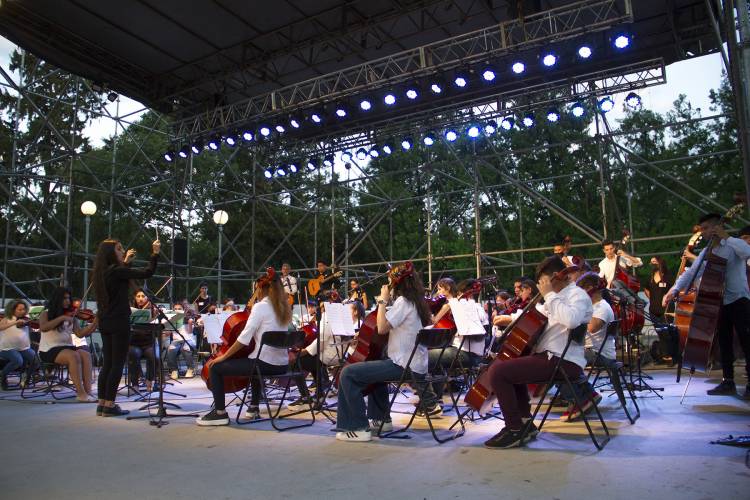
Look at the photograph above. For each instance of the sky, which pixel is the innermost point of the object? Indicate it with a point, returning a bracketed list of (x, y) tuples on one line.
[(694, 78)]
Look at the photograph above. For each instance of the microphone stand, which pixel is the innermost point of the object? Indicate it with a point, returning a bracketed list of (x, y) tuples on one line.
[(157, 419)]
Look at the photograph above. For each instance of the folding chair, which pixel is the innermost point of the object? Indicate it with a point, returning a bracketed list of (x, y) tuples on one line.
[(431, 338), (464, 375), (560, 377), (282, 340), (55, 380)]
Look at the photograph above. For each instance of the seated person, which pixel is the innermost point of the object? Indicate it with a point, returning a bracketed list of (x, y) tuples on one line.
[(142, 346), (15, 344), (446, 287), (57, 347), (183, 344), (528, 291)]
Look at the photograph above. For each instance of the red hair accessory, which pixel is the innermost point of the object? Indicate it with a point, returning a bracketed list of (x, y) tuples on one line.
[(398, 273), (267, 278)]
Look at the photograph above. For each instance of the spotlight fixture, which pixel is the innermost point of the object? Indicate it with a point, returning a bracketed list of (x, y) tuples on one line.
[(341, 112), (268, 173), (461, 80), (293, 168), (606, 104), (196, 147), (584, 52), (328, 160), (412, 92), (214, 143), (361, 154), (490, 127), (169, 156), (183, 152), (549, 60), (312, 164), (407, 143), (280, 172), (280, 129), (622, 41), (488, 74), (429, 139), (436, 88), (112, 96), (473, 131), (365, 105), (231, 140), (374, 153), (507, 123), (294, 122), (316, 118), (553, 116), (451, 135), (346, 156), (528, 120), (389, 99), (387, 148), (577, 110), (633, 101), (264, 131), (518, 67), (247, 136)]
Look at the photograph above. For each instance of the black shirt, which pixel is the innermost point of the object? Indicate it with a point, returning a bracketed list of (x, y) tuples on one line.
[(656, 293), (203, 304), (117, 281)]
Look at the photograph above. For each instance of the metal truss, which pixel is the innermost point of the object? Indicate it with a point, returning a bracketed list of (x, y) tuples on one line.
[(558, 24)]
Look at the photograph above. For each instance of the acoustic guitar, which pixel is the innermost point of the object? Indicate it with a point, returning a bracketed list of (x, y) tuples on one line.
[(316, 284)]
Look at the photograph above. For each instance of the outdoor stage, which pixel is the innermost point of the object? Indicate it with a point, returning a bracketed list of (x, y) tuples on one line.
[(63, 450)]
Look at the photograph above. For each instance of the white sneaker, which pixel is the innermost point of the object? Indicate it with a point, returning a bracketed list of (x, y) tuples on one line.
[(174, 374), (354, 436), (189, 373), (375, 427), (252, 412)]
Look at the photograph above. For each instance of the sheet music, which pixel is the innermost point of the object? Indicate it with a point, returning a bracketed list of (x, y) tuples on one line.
[(340, 319), (466, 318), (213, 324)]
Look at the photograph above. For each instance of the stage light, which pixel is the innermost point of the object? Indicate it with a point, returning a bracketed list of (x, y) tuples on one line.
[(247, 136), (412, 93), (528, 120), (389, 99), (436, 88), (518, 68), (328, 160), (280, 172), (268, 173), (280, 129), (451, 135), (387, 148), (578, 110), (553, 116), (633, 100), (461, 80), (169, 156), (316, 118), (214, 143), (265, 131), (312, 164), (606, 104), (231, 140), (294, 123), (365, 105), (183, 152), (341, 112), (346, 156), (507, 123), (293, 168), (196, 147), (622, 42), (473, 131), (584, 52), (429, 139), (549, 60), (406, 144), (112, 96), (361, 154), (374, 152), (490, 127), (488, 75)]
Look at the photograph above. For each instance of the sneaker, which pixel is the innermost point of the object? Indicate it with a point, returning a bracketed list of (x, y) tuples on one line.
[(190, 373), (99, 410), (375, 427), (253, 412), (533, 431), (504, 439), (574, 413), (113, 411), (434, 412), (24, 380), (301, 401), (725, 388), (354, 436), (174, 374), (212, 418)]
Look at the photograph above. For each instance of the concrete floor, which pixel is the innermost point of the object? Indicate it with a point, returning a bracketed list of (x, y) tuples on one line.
[(63, 450)]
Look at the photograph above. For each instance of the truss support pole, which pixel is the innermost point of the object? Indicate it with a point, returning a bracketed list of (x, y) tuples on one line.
[(477, 229), (740, 62), (429, 237)]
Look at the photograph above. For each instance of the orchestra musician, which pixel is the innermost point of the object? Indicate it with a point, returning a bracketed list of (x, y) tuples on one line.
[(402, 322), (15, 343), (566, 307), (181, 345), (204, 301), (527, 290), (567, 244), (289, 282), (447, 288), (56, 345), (661, 282), (357, 293), (734, 314), (141, 346), (325, 273), (111, 281), (608, 263)]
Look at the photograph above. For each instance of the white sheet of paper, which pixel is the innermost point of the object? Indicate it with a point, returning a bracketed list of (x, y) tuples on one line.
[(466, 318), (213, 324), (340, 319)]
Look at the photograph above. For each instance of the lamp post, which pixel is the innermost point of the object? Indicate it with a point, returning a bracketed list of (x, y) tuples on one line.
[(220, 218), (88, 208)]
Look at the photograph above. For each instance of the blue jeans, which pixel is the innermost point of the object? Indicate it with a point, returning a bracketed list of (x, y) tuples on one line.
[(18, 359), (351, 413), (433, 393), (174, 350)]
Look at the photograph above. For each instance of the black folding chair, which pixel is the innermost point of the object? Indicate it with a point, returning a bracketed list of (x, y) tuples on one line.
[(55, 380), (281, 340), (430, 338)]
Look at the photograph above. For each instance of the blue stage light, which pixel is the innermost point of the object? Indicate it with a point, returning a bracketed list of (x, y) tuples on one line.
[(633, 100), (365, 105), (406, 144), (528, 120), (374, 152), (247, 136), (316, 118), (268, 173), (389, 99), (183, 152), (328, 160), (169, 156), (518, 67), (346, 156), (584, 52), (341, 112), (578, 110), (507, 123), (231, 140), (488, 75), (606, 104), (293, 168), (387, 148), (412, 93), (451, 135), (473, 131), (361, 154), (429, 139), (265, 131), (214, 143), (294, 123), (490, 127), (280, 129), (553, 116), (460, 81), (549, 60), (622, 42), (196, 147), (436, 88)]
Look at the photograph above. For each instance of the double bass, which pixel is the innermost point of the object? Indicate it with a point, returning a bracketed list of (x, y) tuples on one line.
[(518, 339), (628, 308), (697, 313)]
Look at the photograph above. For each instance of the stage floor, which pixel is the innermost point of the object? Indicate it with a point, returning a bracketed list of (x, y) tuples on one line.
[(63, 450)]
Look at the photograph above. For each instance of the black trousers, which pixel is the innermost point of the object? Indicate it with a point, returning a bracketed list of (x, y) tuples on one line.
[(734, 318), (310, 364), (134, 363), (115, 345), (243, 366)]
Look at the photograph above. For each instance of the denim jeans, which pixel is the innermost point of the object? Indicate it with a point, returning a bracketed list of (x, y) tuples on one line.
[(351, 413), (174, 350), (134, 363), (18, 359), (434, 392)]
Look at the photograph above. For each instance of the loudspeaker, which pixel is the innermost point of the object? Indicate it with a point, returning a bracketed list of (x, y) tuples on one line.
[(180, 251)]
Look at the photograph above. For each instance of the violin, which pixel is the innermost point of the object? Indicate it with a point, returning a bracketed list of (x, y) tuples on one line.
[(33, 324), (86, 315)]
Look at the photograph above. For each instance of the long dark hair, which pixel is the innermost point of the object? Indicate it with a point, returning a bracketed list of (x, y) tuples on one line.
[(55, 303), (663, 269), (105, 259), (410, 287)]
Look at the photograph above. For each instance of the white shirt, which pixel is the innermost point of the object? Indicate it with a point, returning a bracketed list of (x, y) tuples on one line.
[(565, 310), (607, 266), (263, 319), (60, 336), (604, 312), (330, 355), (14, 338), (405, 325), (477, 316), (736, 252), (289, 283)]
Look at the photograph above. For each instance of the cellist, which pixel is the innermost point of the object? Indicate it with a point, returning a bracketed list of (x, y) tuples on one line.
[(734, 314)]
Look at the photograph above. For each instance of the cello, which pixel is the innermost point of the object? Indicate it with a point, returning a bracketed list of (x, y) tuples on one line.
[(518, 339), (697, 314), (628, 307)]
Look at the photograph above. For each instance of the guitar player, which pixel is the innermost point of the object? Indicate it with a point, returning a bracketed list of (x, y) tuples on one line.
[(325, 274)]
